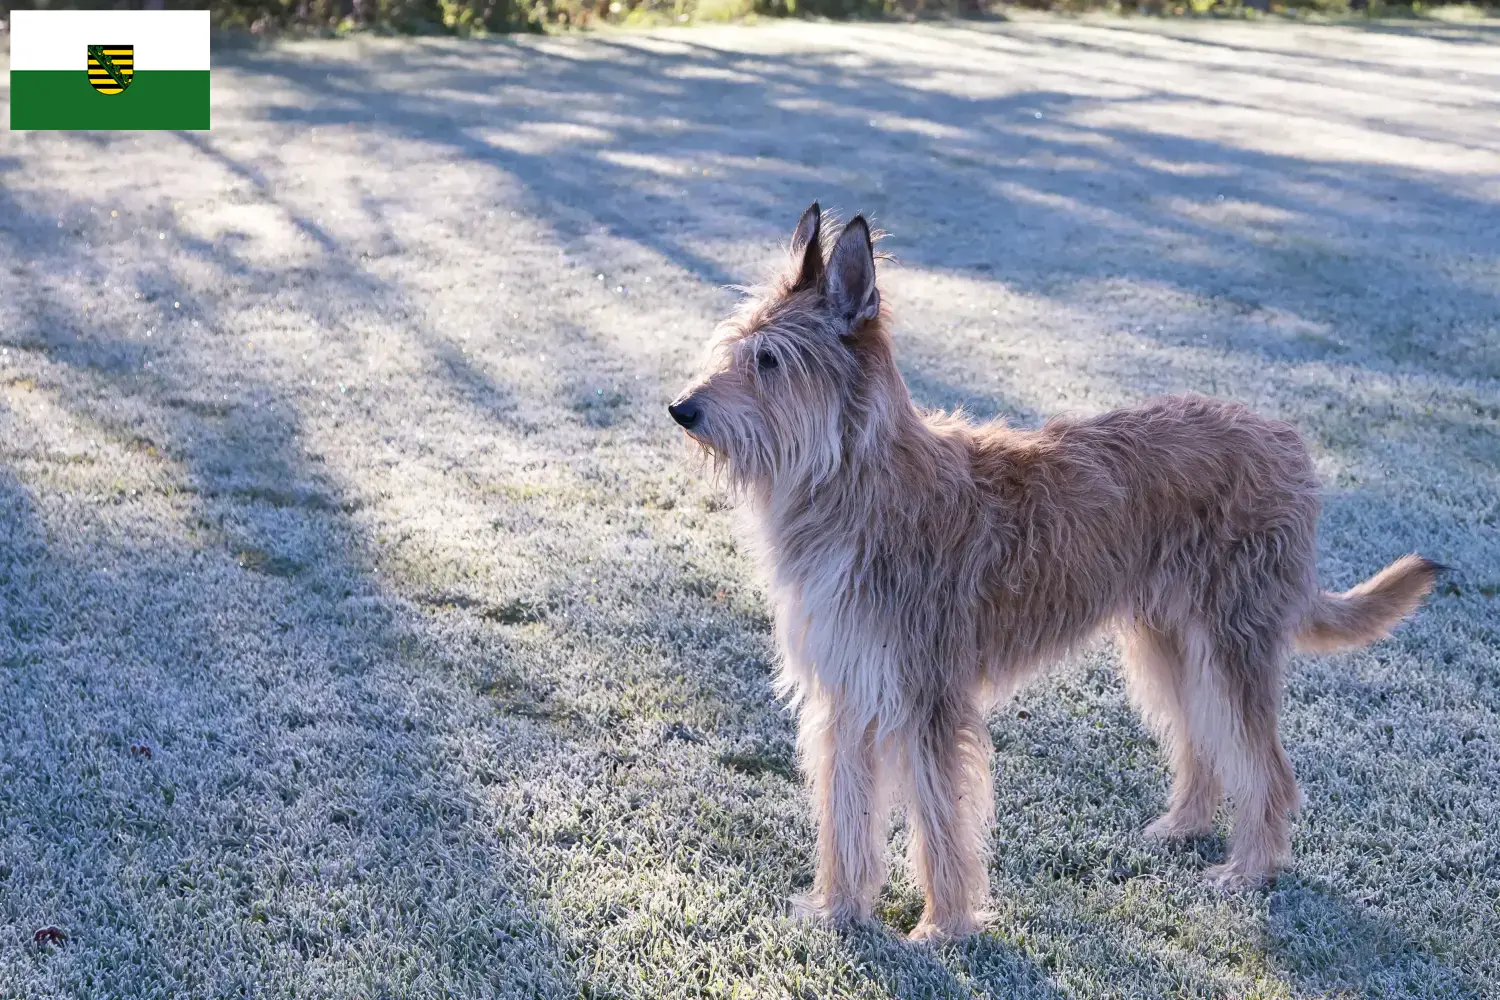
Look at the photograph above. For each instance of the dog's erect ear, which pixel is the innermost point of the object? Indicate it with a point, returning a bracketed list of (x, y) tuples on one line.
[(807, 249), (851, 276)]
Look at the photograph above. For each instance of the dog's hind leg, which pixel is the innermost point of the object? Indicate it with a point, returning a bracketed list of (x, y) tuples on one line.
[(1168, 676), (946, 756), (843, 764), (1256, 770)]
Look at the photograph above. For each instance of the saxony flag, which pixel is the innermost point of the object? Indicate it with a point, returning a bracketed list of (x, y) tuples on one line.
[(109, 69)]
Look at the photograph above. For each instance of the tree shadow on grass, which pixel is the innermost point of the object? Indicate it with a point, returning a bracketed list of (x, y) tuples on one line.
[(235, 762), (1329, 945)]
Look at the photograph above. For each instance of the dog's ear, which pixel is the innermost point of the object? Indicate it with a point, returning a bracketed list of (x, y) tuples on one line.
[(851, 277), (807, 249)]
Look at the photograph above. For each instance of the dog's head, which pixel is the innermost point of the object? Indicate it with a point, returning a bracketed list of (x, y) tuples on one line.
[(794, 377)]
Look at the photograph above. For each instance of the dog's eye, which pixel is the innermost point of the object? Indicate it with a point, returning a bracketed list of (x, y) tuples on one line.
[(765, 360)]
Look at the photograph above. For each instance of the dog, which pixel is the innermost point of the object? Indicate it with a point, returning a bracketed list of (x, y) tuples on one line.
[(921, 566)]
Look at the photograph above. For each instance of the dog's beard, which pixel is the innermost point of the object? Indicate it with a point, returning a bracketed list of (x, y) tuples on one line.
[(738, 465)]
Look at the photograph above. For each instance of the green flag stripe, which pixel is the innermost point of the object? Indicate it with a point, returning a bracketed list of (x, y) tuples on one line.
[(64, 99)]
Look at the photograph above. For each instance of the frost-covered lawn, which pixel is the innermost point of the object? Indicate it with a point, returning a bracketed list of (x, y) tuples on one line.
[(366, 632)]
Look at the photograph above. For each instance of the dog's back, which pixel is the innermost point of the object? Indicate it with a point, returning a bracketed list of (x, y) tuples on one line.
[(1155, 512)]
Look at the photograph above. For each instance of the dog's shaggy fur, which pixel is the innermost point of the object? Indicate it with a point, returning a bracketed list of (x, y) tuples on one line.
[(921, 566)]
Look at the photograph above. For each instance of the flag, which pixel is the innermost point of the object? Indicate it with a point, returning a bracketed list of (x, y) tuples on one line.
[(109, 69)]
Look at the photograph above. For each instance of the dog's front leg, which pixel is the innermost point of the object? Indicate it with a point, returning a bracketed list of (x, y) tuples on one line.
[(842, 763), (947, 754)]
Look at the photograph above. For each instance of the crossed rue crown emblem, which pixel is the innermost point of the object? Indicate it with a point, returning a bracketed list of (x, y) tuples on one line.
[(111, 67)]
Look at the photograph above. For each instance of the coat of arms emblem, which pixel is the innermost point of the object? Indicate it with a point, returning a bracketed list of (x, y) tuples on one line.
[(111, 67)]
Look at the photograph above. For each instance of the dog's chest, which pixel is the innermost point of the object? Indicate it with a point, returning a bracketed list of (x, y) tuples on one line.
[(834, 632)]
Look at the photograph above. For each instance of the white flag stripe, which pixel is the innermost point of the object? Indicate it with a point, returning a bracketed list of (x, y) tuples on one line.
[(59, 39)]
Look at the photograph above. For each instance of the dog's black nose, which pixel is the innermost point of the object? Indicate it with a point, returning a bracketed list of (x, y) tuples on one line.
[(685, 413)]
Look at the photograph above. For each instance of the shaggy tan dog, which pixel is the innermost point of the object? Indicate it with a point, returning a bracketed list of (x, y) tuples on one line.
[(921, 566)]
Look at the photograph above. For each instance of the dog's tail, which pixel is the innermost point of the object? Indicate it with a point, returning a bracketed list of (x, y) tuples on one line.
[(1359, 616)]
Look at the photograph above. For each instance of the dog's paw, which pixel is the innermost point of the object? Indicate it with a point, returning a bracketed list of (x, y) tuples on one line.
[(813, 908), (1234, 877), (1170, 826), (929, 931), (807, 908)]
